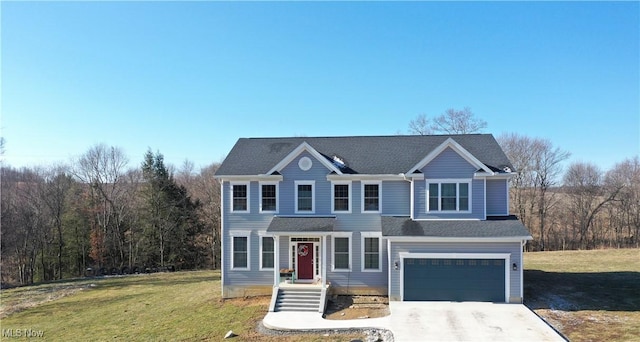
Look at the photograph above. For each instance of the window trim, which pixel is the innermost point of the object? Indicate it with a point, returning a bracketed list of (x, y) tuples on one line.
[(333, 197), (277, 184), (348, 236), (457, 182), (235, 234), (248, 185), (262, 236), (363, 236), (362, 207), (313, 196)]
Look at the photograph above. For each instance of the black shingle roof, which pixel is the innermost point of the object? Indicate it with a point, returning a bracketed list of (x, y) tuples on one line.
[(499, 226), (301, 224), (362, 154)]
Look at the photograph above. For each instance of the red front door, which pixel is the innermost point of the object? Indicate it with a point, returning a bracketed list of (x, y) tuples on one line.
[(304, 251)]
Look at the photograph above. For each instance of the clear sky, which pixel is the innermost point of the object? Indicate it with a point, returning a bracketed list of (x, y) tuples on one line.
[(189, 79)]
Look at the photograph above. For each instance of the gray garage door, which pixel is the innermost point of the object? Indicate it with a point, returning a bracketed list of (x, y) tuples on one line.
[(480, 280)]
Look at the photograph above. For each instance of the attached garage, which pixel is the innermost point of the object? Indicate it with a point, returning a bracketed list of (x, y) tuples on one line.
[(455, 277)]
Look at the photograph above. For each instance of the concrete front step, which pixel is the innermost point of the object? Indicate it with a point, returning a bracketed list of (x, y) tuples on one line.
[(298, 300)]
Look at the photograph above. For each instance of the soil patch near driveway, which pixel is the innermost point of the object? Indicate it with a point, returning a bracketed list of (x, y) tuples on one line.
[(341, 307)]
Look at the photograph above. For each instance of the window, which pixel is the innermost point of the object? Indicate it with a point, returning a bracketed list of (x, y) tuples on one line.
[(448, 195), (240, 197), (269, 197), (341, 194), (371, 252), (304, 197), (342, 253), (267, 250), (240, 251), (371, 197)]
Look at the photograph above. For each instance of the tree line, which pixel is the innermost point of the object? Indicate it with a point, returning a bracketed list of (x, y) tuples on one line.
[(575, 206), (95, 212), (98, 211)]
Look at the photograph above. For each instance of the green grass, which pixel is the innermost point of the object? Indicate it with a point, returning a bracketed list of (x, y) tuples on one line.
[(586, 295), (183, 306)]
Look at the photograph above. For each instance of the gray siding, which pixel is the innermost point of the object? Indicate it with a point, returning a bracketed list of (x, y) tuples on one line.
[(497, 197), (458, 247), (448, 164), (396, 198)]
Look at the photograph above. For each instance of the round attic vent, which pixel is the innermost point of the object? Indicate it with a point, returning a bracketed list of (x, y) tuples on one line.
[(305, 163)]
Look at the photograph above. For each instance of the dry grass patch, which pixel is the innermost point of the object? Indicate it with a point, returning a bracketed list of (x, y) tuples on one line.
[(586, 295)]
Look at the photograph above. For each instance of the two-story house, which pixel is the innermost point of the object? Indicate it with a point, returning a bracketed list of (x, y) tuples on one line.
[(411, 217)]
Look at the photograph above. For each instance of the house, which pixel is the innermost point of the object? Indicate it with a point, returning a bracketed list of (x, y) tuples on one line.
[(411, 217)]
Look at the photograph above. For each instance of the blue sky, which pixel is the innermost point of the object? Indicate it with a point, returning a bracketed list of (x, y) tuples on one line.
[(189, 79)]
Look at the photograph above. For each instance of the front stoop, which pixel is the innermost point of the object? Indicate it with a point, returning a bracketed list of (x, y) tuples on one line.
[(303, 299)]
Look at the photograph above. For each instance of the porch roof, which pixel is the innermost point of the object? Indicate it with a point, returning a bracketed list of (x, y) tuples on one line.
[(301, 224), (492, 227)]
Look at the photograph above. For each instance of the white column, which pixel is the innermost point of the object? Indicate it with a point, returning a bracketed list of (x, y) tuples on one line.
[(324, 261), (276, 260)]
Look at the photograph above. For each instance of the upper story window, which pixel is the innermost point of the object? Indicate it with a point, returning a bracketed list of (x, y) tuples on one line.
[(240, 197), (269, 197), (371, 197), (305, 202), (448, 195), (341, 197)]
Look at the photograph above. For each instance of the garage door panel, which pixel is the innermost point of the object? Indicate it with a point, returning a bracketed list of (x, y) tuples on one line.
[(454, 279)]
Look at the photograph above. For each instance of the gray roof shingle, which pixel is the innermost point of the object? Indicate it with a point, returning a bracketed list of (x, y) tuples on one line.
[(493, 227), (301, 224), (362, 154)]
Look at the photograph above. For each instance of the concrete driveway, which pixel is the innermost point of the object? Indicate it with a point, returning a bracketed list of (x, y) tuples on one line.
[(467, 321), (433, 321)]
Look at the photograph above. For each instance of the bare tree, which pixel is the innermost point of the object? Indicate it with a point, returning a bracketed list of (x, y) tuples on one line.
[(103, 168), (458, 122), (420, 125), (538, 165), (584, 184)]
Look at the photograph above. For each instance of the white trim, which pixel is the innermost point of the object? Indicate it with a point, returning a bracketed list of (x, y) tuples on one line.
[(505, 256), (333, 184), (466, 155), (260, 237), (240, 233), (457, 239), (297, 151), (343, 235), (379, 184), (391, 269), (485, 199), (481, 175), (276, 261), (223, 272), (313, 196), (522, 271), (365, 177), (277, 184), (249, 178), (364, 235), (323, 263), (248, 185), (412, 204), (457, 182)]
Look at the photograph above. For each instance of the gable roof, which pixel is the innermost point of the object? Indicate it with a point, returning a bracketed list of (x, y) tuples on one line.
[(375, 155)]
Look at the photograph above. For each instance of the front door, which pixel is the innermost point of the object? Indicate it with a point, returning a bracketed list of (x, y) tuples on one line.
[(304, 252)]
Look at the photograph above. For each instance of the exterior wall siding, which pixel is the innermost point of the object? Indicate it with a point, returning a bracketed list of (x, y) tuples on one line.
[(441, 168), (497, 197), (395, 200), (456, 247)]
